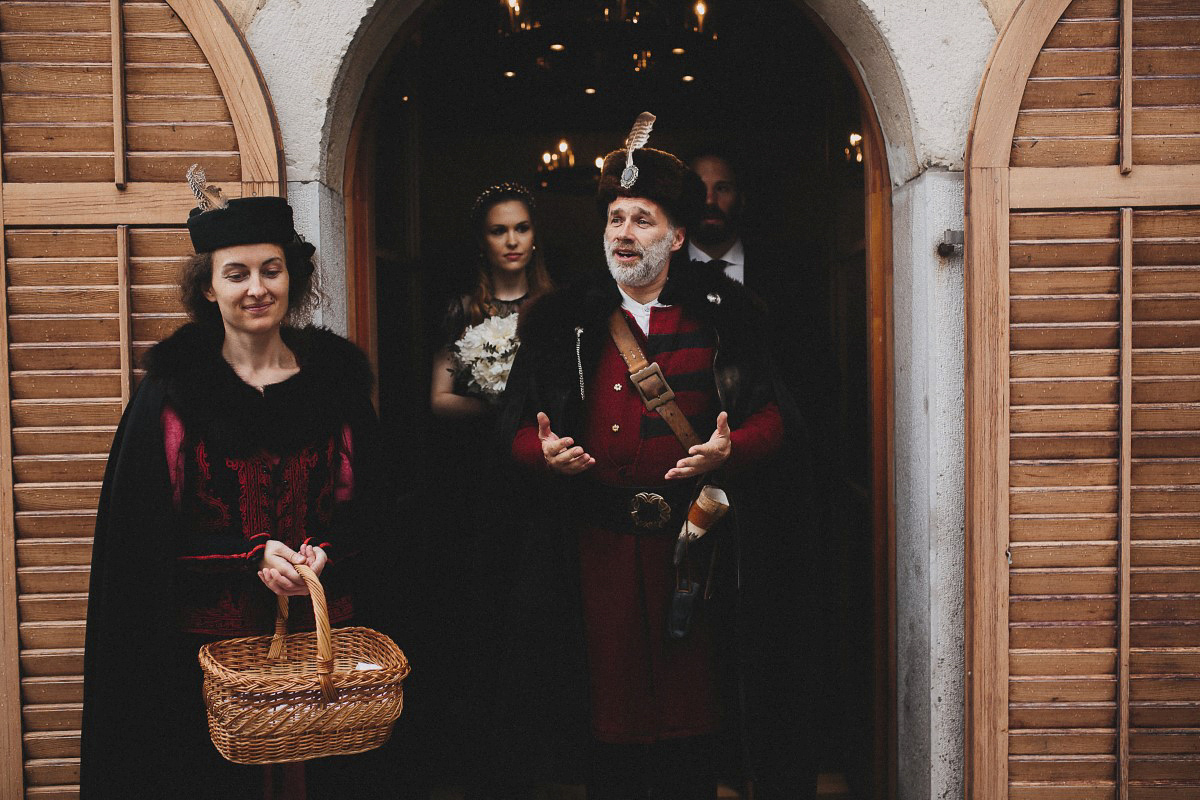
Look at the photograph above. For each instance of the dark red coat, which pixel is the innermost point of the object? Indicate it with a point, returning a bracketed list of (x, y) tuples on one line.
[(644, 685), (565, 334)]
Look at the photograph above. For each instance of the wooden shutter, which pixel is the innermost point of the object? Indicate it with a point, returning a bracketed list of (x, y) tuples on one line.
[(1083, 406), (97, 133)]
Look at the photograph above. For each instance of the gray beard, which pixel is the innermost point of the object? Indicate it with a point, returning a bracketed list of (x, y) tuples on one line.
[(655, 258)]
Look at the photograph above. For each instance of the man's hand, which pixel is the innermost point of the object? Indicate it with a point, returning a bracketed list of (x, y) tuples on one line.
[(561, 455), (705, 457), (278, 567)]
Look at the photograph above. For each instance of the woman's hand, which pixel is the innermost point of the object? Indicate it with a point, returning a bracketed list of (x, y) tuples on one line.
[(314, 558), (277, 570), (442, 399)]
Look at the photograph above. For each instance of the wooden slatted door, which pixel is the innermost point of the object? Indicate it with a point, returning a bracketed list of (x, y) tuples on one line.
[(97, 133), (1083, 406)]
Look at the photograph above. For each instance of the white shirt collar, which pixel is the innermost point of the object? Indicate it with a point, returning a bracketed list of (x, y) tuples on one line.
[(736, 254), (639, 311), (734, 258)]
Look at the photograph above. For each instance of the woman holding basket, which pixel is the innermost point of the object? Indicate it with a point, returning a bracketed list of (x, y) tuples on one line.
[(250, 447)]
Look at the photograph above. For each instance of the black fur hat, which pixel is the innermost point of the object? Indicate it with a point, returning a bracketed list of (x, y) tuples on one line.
[(217, 222), (243, 220), (639, 171)]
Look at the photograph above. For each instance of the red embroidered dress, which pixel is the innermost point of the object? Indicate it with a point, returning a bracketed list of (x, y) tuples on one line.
[(234, 505)]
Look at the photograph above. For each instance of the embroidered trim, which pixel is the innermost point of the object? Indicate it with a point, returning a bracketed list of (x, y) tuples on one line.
[(204, 493), (253, 483)]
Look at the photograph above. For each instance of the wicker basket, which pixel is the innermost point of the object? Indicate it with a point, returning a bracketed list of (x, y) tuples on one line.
[(292, 697)]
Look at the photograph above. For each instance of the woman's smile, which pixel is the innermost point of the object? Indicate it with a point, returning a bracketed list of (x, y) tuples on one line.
[(250, 287), (259, 308)]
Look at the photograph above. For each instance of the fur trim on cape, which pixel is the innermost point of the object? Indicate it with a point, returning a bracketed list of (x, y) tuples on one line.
[(706, 294), (238, 419)]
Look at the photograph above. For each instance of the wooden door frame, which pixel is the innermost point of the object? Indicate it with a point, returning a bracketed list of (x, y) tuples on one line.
[(986, 372), (260, 145), (358, 192), (881, 369)]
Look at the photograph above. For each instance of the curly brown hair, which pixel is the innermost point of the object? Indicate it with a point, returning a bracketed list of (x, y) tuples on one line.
[(303, 292)]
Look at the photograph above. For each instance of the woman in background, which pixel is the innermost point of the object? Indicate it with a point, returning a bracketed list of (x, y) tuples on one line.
[(511, 274), (471, 504)]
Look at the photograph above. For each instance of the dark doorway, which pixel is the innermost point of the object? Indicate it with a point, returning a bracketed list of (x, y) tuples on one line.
[(772, 94)]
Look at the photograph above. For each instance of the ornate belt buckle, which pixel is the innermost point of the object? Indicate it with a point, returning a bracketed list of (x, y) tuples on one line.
[(649, 510)]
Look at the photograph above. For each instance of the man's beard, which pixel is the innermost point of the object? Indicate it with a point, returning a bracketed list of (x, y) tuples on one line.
[(722, 229), (654, 259)]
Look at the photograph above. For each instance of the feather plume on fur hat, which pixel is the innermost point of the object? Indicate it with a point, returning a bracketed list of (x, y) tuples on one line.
[(218, 222), (639, 171)]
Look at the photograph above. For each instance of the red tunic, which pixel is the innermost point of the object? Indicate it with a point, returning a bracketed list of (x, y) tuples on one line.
[(645, 685)]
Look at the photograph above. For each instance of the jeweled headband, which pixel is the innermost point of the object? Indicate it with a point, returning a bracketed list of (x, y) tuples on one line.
[(501, 191)]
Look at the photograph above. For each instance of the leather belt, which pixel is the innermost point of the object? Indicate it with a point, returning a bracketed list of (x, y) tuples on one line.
[(647, 377)]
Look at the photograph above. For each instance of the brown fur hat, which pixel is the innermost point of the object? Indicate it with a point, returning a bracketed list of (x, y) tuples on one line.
[(662, 178)]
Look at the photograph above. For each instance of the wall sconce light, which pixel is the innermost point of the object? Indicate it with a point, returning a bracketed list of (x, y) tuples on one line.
[(854, 152)]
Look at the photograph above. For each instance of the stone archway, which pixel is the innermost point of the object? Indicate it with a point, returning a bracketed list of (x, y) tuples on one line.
[(373, 334), (920, 68)]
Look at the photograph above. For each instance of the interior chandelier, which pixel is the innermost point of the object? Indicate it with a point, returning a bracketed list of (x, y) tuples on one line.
[(592, 43)]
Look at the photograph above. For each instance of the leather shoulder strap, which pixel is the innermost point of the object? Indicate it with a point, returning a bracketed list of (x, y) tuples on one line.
[(648, 379)]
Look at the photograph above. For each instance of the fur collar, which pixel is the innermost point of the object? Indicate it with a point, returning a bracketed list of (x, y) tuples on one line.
[(236, 418), (705, 293)]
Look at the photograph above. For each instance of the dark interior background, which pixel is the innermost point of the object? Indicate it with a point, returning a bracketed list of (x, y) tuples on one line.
[(771, 93)]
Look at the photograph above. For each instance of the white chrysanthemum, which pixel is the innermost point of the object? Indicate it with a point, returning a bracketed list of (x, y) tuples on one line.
[(498, 333), (484, 355), (472, 343)]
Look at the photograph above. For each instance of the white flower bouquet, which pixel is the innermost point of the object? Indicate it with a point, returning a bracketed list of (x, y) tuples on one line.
[(484, 356)]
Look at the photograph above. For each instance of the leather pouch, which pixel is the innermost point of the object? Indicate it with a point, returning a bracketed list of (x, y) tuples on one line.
[(683, 605)]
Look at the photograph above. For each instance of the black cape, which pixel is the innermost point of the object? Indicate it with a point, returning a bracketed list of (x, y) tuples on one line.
[(136, 663)]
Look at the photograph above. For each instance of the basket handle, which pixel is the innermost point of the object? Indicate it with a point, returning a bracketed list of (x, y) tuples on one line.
[(324, 634)]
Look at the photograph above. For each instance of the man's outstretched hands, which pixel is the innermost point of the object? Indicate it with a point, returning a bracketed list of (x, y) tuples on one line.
[(705, 457), (561, 455)]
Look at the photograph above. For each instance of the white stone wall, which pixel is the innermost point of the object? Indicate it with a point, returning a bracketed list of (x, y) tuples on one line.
[(922, 61), (929, 485)]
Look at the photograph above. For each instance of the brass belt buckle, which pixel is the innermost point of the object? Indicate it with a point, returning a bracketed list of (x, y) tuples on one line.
[(649, 510), (652, 370)]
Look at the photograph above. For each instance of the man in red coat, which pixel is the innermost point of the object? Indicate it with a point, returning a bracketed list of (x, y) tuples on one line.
[(654, 701)]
